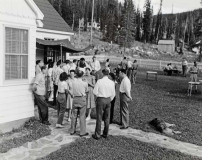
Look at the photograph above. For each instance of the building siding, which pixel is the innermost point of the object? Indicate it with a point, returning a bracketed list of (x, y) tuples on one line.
[(16, 99)]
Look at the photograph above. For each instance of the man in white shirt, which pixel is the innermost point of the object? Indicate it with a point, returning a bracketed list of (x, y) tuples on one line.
[(66, 67), (74, 65), (39, 90), (104, 90), (95, 66), (125, 97)]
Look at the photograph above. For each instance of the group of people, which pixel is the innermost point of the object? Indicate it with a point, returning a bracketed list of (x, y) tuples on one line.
[(193, 70), (169, 69), (130, 67), (78, 87)]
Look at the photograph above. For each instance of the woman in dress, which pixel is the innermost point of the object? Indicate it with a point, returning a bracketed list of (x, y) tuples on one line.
[(90, 97)]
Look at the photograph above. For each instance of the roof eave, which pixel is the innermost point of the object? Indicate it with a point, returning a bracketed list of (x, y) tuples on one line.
[(54, 31), (35, 9)]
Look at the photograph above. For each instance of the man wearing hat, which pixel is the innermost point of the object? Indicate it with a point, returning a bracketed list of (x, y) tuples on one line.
[(104, 90), (95, 66)]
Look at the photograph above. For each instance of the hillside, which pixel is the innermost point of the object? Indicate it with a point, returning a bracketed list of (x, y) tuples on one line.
[(138, 49)]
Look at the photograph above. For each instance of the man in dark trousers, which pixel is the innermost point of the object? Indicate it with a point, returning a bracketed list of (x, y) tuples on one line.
[(125, 97), (104, 90), (39, 89), (80, 90)]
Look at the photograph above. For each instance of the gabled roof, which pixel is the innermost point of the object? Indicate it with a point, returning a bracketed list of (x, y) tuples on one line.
[(52, 20), (65, 44)]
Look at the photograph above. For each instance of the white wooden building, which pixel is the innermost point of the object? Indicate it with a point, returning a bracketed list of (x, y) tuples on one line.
[(30, 30), (19, 20)]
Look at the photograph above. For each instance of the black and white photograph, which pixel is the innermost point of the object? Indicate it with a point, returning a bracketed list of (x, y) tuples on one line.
[(100, 79)]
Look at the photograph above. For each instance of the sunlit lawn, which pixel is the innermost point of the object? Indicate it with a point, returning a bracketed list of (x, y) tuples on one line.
[(166, 99)]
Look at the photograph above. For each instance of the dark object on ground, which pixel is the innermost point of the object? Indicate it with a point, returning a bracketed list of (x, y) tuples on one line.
[(159, 125), (32, 130), (163, 127)]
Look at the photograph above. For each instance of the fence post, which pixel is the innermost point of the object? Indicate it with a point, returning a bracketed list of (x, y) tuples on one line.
[(160, 65), (140, 63)]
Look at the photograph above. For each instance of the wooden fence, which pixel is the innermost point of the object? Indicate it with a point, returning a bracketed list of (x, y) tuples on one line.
[(144, 63)]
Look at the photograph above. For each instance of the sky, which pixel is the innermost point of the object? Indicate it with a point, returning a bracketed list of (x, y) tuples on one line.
[(178, 5)]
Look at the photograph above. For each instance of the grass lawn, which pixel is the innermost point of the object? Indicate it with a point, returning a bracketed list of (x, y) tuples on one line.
[(117, 148), (166, 99), (32, 130)]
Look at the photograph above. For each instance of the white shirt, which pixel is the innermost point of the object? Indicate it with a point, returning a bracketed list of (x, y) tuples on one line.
[(129, 64), (105, 88), (184, 63), (125, 85), (72, 67), (66, 68), (62, 86), (50, 71), (95, 65)]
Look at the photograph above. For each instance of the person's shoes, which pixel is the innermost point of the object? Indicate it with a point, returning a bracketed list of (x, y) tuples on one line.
[(95, 137), (123, 127), (59, 126), (104, 136), (72, 133), (86, 134), (47, 123)]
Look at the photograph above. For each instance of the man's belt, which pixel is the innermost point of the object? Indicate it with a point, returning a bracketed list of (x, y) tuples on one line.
[(61, 93), (79, 96)]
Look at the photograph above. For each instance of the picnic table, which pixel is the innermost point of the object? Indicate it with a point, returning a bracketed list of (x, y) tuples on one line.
[(176, 71), (152, 73), (191, 84), (172, 71)]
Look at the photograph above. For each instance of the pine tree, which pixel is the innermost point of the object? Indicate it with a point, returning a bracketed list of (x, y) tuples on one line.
[(147, 21), (158, 22), (128, 23), (138, 25), (112, 21)]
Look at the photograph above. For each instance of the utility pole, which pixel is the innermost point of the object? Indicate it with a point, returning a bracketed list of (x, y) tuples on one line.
[(73, 22), (126, 37), (79, 30), (91, 32)]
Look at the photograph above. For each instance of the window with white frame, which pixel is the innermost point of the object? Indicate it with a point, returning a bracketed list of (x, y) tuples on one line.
[(16, 53)]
